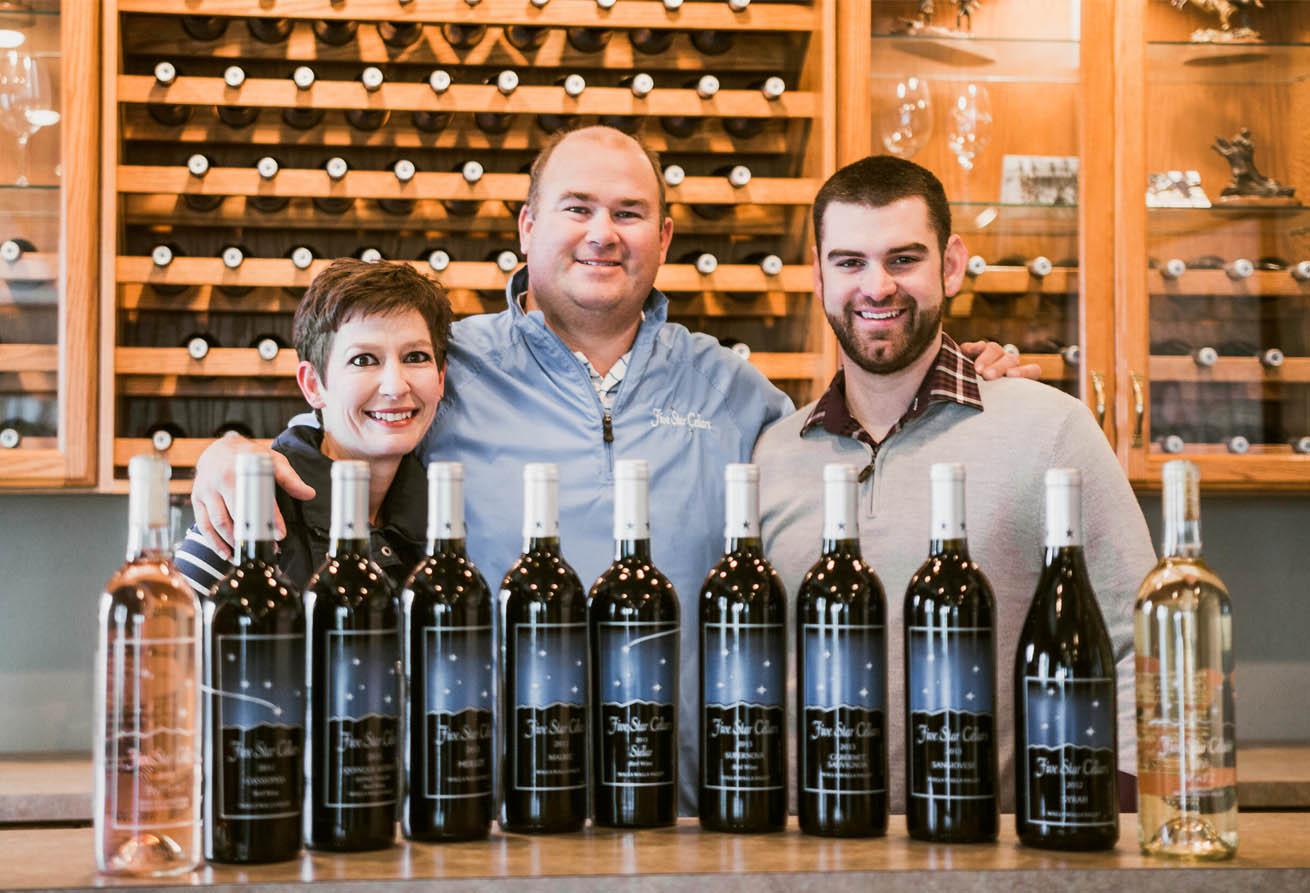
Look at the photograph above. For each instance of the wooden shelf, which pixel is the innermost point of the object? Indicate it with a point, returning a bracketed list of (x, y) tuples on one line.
[(182, 454), (1207, 283), (29, 357), (34, 267), (31, 383), (1229, 369), (221, 362), (1017, 280), (558, 13), (523, 136), (162, 37), (528, 99), (303, 182), (259, 271)]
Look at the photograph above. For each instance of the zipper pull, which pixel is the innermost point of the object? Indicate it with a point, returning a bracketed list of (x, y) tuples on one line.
[(607, 426)]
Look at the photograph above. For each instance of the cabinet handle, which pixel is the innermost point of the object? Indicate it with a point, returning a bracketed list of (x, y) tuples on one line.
[(1139, 408), (1098, 388)]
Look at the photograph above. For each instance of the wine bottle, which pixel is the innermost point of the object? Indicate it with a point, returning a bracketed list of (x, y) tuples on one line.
[(236, 116), (1065, 723), (12, 250), (704, 262), (1174, 268), (404, 171), (574, 85), (497, 122), (737, 346), (335, 32), (399, 35), (198, 165), (162, 435), (976, 265), (543, 653), (743, 674), (1239, 269), (254, 672), (950, 680), (303, 117), (12, 432), (239, 427), (353, 629), (463, 36), (472, 172), (673, 175), (589, 40), (437, 259), (711, 41), (747, 128), (233, 257), (641, 84), (683, 126), (168, 114), (634, 630), (368, 254), (268, 168), (1172, 442), (269, 30), (206, 28), (841, 676), (161, 257), (1186, 741), (738, 176), (505, 260), (198, 344), (514, 206), (526, 38), (1269, 357), (1301, 271), (448, 665), (1300, 443), (651, 41), (336, 168), (268, 345), (147, 724), (429, 121), (369, 119), (770, 264)]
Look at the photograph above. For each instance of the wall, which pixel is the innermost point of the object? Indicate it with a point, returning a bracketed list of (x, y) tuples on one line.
[(56, 551)]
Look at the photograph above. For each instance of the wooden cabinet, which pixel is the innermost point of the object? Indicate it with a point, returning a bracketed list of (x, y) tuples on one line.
[(156, 125), (1214, 302), (48, 192)]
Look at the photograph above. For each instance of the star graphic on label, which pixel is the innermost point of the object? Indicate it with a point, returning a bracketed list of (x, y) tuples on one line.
[(869, 665), (657, 687), (842, 527), (977, 668), (538, 525), (1045, 726), (447, 525), (349, 696), (1096, 703), (453, 657), (484, 693), (1090, 731), (768, 663), (541, 653), (969, 696), (931, 658), (387, 699), (1069, 534), (761, 690), (864, 692), (573, 689), (745, 525), (268, 683), (617, 683), (355, 661)]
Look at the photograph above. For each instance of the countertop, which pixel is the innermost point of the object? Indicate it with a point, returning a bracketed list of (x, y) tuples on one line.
[(44, 788), (1273, 854)]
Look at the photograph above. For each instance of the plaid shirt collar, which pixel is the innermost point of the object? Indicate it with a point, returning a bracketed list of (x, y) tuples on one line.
[(951, 379)]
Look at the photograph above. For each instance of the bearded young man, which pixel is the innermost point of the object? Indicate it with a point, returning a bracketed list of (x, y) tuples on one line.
[(582, 368), (905, 397)]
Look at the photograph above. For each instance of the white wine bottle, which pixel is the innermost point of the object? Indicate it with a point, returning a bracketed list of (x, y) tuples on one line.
[(1183, 637), (147, 699)]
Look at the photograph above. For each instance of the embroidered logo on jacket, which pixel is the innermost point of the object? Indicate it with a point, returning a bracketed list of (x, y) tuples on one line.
[(674, 419)]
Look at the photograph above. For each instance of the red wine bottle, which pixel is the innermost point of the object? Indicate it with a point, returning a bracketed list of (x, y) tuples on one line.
[(399, 35), (449, 663), (951, 773), (711, 41), (199, 344), (303, 117), (743, 674), (233, 257), (335, 32), (683, 126), (269, 30), (404, 171), (438, 260), (206, 28), (369, 119), (641, 84), (268, 346), (472, 172), (574, 85), (651, 41), (336, 168), (498, 122), (634, 626), (841, 676), (589, 40), (268, 168), (198, 166), (738, 176), (430, 121), (236, 116), (542, 634), (162, 256), (747, 128), (526, 37), (302, 257), (463, 36), (254, 672)]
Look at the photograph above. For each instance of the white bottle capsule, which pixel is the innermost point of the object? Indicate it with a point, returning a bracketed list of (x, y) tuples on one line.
[(672, 5), (1173, 268), (197, 165), (1272, 358), (506, 261), (1239, 445), (267, 167), (976, 265), (234, 76), (161, 255), (370, 255), (1205, 357), (739, 176), (739, 5), (268, 349), (507, 82), (11, 251), (574, 84), (197, 348), (674, 175), (165, 73), (371, 78), (1040, 266), (1301, 445), (706, 263), (303, 77), (707, 86), (471, 171), (1241, 268), (336, 167), (1172, 444), (439, 81), (438, 260), (771, 264), (232, 257), (641, 85), (1301, 272), (302, 258), (773, 88), (404, 170)]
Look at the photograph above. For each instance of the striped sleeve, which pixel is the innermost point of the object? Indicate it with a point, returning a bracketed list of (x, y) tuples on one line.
[(199, 563)]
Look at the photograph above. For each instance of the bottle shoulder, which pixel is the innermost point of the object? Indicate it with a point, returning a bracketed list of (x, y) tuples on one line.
[(634, 585), (542, 577), (950, 580), (348, 580), (1175, 577), (150, 586), (445, 578), (842, 577), (744, 578)]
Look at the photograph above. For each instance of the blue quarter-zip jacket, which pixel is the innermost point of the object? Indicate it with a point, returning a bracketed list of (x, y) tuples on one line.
[(515, 394)]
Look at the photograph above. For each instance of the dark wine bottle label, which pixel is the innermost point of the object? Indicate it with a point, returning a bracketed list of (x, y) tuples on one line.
[(361, 756), (745, 683), (1070, 758), (550, 708), (638, 670), (260, 688), (845, 709), (952, 689), (457, 712)]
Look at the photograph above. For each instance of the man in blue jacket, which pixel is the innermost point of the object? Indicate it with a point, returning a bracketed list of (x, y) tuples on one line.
[(584, 368)]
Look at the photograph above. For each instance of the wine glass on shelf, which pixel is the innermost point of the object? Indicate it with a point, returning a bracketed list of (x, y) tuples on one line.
[(906, 119), (970, 128), (26, 102)]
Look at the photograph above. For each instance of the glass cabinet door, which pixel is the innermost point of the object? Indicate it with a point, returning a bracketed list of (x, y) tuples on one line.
[(47, 232), (993, 99), (1222, 332)]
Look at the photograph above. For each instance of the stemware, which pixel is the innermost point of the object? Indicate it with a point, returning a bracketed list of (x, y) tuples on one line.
[(970, 128), (26, 102), (906, 119)]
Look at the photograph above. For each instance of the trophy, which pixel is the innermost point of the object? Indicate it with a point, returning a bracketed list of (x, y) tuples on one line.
[(1249, 186), (921, 25), (1226, 10)]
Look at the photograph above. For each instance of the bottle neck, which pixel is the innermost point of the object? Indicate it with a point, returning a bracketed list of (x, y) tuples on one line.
[(347, 545), (1062, 555), (147, 541), (632, 548), (751, 545), (539, 544), (256, 550), (1182, 537), (939, 548), (1182, 511), (841, 546), (840, 521), (439, 546)]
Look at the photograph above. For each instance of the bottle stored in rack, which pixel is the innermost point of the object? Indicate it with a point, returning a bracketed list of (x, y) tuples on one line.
[(236, 116), (404, 170), (168, 114), (268, 168), (651, 41), (683, 126), (462, 36), (738, 176), (589, 40), (747, 128), (335, 32), (369, 119), (161, 256), (399, 35), (498, 122), (574, 85), (640, 84), (303, 117), (233, 257), (430, 121), (206, 28), (270, 30), (336, 169), (472, 172)]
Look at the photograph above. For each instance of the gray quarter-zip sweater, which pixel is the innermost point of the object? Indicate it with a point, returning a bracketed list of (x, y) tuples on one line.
[(1024, 428)]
